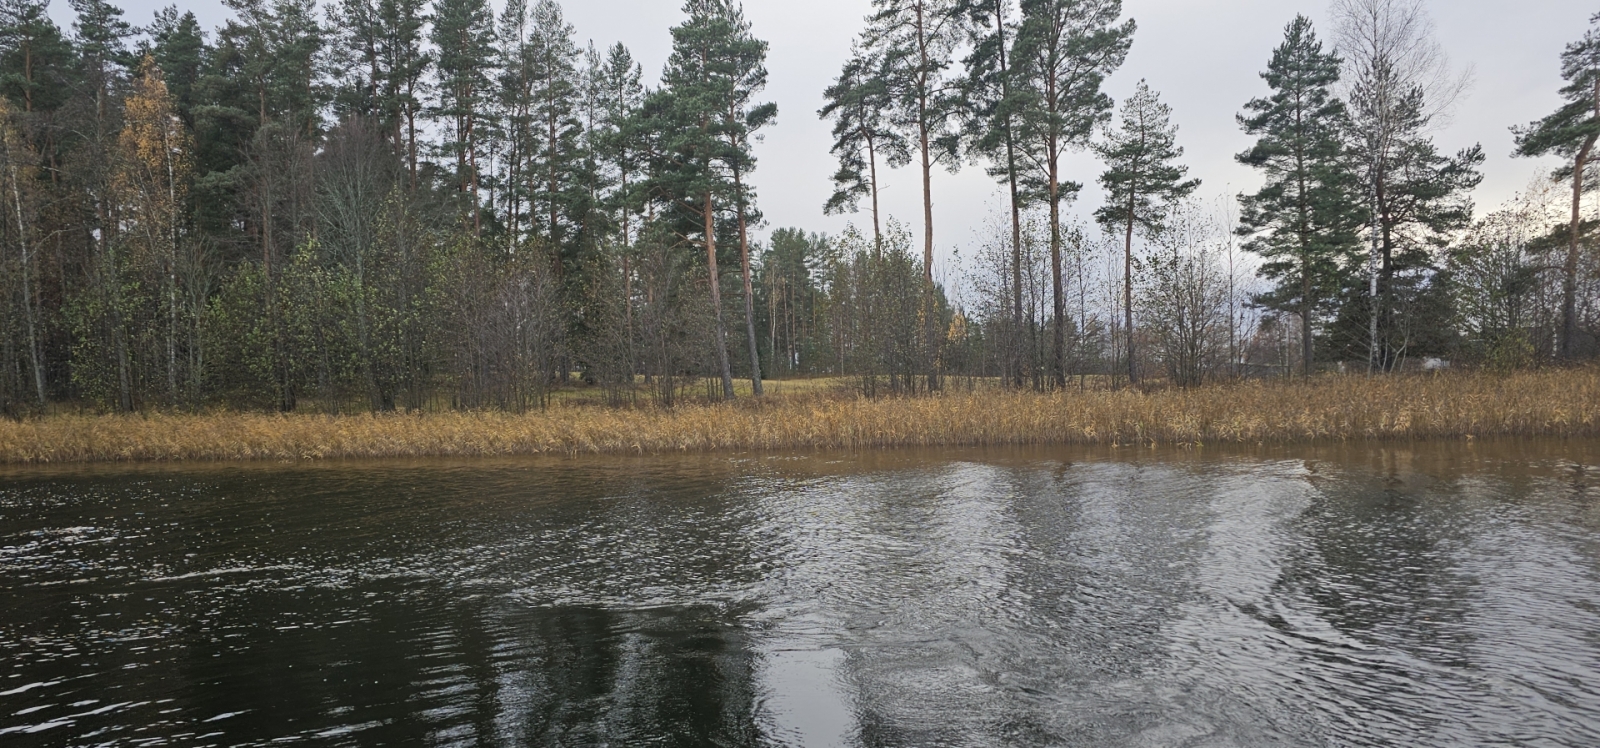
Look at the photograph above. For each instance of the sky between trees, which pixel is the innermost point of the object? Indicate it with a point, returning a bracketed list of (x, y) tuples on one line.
[(1204, 57)]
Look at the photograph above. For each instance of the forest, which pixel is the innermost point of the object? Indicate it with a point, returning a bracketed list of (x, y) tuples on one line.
[(431, 205)]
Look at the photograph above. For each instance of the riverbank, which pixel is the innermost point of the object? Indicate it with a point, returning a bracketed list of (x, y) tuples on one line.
[(1559, 403)]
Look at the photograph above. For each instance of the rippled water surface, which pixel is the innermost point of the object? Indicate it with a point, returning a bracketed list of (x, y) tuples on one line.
[(1387, 595)]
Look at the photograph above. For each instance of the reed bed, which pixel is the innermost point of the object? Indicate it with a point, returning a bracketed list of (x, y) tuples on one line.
[(1562, 403)]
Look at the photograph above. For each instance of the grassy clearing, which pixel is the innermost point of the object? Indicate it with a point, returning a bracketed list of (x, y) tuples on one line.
[(1564, 403)]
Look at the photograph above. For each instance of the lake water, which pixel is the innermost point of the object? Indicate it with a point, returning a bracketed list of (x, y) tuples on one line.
[(1406, 595)]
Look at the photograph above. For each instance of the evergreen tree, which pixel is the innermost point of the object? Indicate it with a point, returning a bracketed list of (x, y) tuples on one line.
[(1570, 133), (692, 150), (1066, 50), (860, 104), (1399, 84), (463, 34), (917, 40), (35, 60), (1305, 219), (992, 110), (178, 48), (743, 62), (1142, 181), (402, 64), (555, 158), (615, 139)]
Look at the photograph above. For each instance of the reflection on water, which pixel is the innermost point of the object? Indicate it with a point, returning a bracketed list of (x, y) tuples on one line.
[(1416, 595)]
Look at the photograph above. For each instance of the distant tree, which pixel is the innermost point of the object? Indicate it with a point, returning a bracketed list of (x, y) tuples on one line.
[(463, 34), (691, 149), (554, 155), (991, 109), (35, 59), (1066, 50), (153, 178), (18, 180), (917, 40), (1399, 85), (743, 62), (860, 104), (1305, 219), (1142, 181), (1570, 133), (178, 48)]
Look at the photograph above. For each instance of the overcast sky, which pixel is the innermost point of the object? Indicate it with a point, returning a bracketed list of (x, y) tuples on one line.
[(1203, 56)]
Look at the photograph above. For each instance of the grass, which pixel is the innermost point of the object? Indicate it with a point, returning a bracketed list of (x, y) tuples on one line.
[(1561, 403)]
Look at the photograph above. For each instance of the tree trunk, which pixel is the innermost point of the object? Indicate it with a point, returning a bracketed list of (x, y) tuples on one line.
[(872, 169), (35, 359), (749, 295), (1058, 366), (1569, 270), (716, 299), (1127, 292), (923, 83)]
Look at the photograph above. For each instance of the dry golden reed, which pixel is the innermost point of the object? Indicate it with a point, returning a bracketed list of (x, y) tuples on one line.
[(1562, 403)]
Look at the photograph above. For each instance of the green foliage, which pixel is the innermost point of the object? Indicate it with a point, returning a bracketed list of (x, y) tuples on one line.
[(1141, 180), (1305, 220)]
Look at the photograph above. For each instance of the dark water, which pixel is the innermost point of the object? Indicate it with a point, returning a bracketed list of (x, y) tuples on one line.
[(1401, 595)]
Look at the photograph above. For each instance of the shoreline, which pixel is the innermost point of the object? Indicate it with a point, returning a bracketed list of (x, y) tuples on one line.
[(1550, 403)]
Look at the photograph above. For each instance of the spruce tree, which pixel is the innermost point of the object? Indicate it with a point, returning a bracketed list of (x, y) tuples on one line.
[(1066, 50), (1142, 180), (178, 48), (1570, 133), (617, 143), (1398, 85), (1305, 219)]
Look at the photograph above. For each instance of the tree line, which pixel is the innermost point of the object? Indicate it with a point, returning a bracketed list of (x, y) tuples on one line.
[(410, 204)]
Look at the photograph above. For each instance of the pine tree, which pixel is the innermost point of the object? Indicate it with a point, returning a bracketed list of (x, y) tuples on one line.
[(1305, 219), (1570, 133), (178, 48), (860, 104), (402, 63), (991, 113), (554, 152), (743, 62), (1142, 181), (463, 34), (35, 59), (692, 148), (918, 39), (1066, 50)]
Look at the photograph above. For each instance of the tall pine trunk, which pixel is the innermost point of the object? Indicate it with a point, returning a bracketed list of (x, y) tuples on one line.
[(1569, 270), (928, 308), (716, 298), (749, 295), (1127, 292)]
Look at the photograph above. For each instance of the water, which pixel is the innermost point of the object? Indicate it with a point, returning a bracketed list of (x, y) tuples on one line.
[(1391, 595)]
